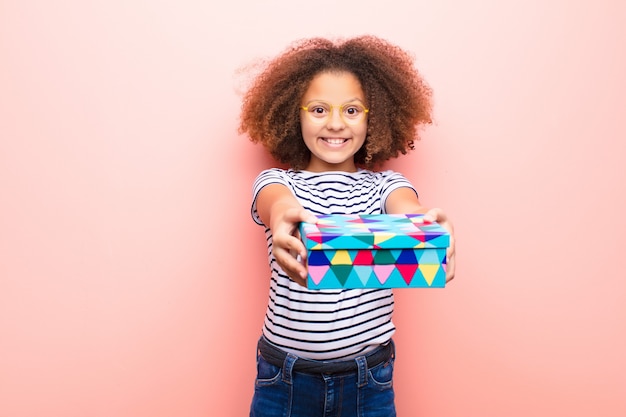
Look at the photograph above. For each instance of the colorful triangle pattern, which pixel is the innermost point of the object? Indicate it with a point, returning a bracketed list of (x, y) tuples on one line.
[(375, 251), (366, 231)]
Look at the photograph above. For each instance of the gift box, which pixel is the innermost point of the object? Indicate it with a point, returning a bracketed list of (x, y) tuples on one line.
[(375, 251)]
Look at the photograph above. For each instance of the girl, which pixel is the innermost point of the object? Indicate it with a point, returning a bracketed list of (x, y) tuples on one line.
[(332, 111)]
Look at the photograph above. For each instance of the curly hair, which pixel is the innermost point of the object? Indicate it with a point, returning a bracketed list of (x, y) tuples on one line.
[(398, 98)]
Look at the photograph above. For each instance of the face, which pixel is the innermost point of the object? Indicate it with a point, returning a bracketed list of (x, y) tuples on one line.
[(334, 123)]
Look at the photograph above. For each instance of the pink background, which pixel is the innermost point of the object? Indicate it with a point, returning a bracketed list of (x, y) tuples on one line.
[(132, 278)]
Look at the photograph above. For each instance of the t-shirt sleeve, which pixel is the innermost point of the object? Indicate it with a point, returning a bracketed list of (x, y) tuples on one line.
[(392, 181), (267, 177)]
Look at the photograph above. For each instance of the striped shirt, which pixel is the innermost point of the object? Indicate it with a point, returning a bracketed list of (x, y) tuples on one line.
[(328, 324)]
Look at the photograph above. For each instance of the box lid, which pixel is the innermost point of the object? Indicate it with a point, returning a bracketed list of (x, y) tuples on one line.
[(373, 231)]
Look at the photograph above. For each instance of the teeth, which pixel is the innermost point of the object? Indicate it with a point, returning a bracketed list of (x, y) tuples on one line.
[(335, 141)]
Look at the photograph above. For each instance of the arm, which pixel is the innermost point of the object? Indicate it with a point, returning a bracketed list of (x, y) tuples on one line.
[(281, 212), (404, 200)]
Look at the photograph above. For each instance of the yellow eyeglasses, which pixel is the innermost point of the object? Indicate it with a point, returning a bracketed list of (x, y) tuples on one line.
[(319, 112)]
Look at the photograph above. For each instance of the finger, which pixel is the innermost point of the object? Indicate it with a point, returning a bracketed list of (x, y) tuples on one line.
[(292, 252), (292, 265), (450, 261), (299, 280), (442, 220), (434, 215), (297, 248), (450, 269)]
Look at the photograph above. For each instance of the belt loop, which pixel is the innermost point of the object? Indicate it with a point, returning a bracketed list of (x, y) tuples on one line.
[(361, 364), (290, 360)]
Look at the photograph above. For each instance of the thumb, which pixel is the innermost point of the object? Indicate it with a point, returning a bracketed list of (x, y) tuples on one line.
[(307, 216), (434, 215)]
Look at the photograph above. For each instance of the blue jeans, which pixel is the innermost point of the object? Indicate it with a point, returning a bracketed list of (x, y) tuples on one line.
[(283, 392)]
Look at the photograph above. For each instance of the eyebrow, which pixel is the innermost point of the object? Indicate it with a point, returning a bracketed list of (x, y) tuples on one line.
[(327, 102)]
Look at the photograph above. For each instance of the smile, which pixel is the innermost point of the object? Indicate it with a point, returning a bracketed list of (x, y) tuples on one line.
[(334, 141)]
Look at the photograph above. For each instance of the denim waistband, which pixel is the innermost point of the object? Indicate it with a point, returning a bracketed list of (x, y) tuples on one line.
[(276, 356)]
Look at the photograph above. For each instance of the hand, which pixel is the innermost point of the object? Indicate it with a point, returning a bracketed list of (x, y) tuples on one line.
[(437, 215), (289, 251)]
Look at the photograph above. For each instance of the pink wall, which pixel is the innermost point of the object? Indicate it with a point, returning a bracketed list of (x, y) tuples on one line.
[(131, 275)]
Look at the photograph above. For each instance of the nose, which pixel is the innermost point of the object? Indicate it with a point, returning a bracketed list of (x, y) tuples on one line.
[(335, 120)]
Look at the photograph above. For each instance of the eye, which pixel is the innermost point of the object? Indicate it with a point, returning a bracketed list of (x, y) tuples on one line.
[(352, 110), (318, 110)]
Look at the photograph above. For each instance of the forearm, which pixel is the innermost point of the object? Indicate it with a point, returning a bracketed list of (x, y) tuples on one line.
[(273, 201)]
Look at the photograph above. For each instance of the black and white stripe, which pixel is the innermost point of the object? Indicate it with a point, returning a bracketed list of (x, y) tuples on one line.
[(328, 324)]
